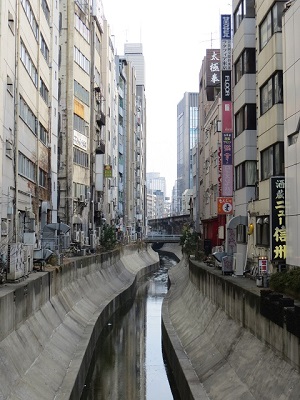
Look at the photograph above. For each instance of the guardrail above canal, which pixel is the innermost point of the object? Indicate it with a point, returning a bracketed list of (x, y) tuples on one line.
[(162, 238)]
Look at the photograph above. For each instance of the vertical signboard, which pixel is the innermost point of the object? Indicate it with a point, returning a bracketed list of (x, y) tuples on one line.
[(278, 229), (213, 67), (213, 72), (227, 120)]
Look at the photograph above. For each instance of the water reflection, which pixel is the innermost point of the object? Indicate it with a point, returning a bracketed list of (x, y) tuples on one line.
[(128, 362)]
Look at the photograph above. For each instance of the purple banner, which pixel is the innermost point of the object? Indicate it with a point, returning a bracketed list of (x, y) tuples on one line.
[(227, 149)]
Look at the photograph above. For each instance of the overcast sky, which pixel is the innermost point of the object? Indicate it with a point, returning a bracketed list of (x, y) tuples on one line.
[(174, 37)]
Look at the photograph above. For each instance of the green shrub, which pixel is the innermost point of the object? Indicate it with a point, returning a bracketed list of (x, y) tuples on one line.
[(286, 282)]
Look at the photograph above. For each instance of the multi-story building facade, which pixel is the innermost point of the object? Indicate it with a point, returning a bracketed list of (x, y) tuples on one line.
[(134, 55), (187, 135), (156, 182), (82, 118), (245, 120), (291, 73), (210, 151), (62, 173), (108, 208), (258, 139), (28, 126), (269, 126)]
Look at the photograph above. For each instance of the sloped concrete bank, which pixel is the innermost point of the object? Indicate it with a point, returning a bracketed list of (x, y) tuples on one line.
[(50, 323), (218, 344)]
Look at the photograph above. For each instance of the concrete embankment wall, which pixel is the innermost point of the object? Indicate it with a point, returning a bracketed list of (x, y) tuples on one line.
[(50, 322), (218, 344)]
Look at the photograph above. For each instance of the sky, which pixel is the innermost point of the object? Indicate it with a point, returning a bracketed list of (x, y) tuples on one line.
[(174, 38)]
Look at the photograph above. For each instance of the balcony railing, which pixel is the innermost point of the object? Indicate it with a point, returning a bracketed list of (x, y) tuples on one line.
[(100, 118)]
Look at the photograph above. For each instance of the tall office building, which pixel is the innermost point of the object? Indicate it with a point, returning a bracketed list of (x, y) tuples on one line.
[(156, 182), (187, 136)]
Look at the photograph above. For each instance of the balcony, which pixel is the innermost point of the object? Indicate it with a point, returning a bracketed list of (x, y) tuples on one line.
[(100, 149), (100, 118)]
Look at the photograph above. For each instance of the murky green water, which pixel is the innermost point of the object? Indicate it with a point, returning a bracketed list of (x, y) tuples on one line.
[(128, 362)]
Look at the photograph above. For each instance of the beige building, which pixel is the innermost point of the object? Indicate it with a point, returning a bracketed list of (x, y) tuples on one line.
[(291, 73), (212, 226), (28, 127)]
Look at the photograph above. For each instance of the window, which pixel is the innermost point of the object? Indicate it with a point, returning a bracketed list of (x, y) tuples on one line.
[(245, 9), (262, 231), (11, 21), (28, 116), (81, 60), (245, 174), (9, 149), (79, 124), (46, 10), (82, 28), (9, 85), (245, 119), (271, 24), (26, 167), (245, 64), (80, 158), (271, 92), (98, 45), (42, 178), (44, 91), (31, 18), (81, 93), (28, 64), (44, 48), (43, 134), (272, 161)]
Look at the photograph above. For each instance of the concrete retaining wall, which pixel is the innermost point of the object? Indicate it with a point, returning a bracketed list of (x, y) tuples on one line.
[(218, 344), (50, 323)]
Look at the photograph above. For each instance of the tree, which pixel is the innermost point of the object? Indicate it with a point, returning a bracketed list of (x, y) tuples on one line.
[(108, 237), (188, 241)]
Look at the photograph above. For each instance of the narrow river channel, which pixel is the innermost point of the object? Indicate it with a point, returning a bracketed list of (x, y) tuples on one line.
[(128, 363)]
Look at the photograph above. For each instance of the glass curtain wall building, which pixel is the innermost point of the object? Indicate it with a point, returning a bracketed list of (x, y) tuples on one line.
[(187, 134)]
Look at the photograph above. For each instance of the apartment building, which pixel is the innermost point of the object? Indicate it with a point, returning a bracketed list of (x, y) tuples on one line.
[(28, 121), (291, 73), (82, 118), (62, 172), (134, 55), (107, 208), (259, 228)]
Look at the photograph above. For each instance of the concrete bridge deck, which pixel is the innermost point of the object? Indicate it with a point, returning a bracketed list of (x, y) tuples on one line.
[(156, 238)]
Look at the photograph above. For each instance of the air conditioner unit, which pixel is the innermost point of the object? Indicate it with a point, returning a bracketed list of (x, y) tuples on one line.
[(93, 240), (28, 259), (82, 198), (76, 237), (82, 237), (15, 261), (98, 206)]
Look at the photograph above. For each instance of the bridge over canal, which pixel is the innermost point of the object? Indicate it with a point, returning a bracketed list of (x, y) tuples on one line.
[(157, 238)]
